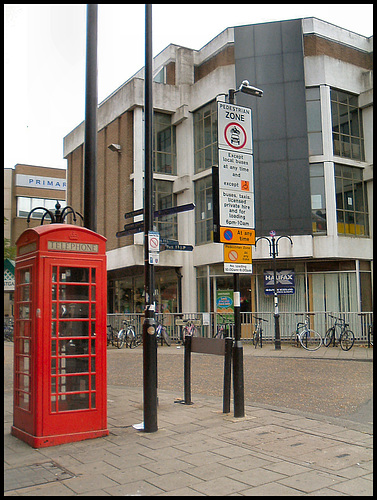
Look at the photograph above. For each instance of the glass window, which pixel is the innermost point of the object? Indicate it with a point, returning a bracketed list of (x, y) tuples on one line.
[(203, 211), (167, 225), (25, 205), (348, 138), (318, 200), (205, 137), (313, 113), (160, 76), (351, 201), (164, 145)]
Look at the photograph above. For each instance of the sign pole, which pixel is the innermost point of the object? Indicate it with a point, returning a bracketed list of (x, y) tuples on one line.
[(149, 326), (238, 381)]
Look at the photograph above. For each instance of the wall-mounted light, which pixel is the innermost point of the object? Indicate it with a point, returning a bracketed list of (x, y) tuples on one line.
[(115, 147)]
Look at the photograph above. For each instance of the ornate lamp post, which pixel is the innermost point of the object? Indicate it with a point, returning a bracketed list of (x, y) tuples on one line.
[(273, 244), (56, 218)]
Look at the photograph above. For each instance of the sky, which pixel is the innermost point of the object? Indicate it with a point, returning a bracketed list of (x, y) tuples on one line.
[(45, 58)]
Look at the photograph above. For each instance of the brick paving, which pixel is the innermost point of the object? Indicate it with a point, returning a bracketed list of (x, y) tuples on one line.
[(198, 450)]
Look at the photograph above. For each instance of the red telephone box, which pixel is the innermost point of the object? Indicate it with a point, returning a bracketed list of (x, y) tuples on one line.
[(60, 336)]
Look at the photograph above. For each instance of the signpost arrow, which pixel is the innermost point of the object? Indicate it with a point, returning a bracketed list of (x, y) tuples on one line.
[(134, 227), (160, 213), (187, 248)]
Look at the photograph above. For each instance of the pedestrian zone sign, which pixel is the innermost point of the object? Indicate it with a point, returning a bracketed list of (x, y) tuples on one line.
[(237, 254)]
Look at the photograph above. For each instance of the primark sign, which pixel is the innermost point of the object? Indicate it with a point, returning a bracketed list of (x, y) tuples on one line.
[(38, 181)]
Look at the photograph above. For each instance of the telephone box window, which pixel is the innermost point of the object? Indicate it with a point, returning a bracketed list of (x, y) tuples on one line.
[(22, 342), (73, 339)]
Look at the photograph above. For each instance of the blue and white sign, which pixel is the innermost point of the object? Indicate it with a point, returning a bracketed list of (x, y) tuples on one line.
[(285, 282)]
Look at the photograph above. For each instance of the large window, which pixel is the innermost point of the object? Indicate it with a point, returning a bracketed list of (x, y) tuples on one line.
[(25, 205), (313, 112), (203, 211), (351, 201), (347, 126), (318, 200), (164, 145), (167, 225), (205, 137)]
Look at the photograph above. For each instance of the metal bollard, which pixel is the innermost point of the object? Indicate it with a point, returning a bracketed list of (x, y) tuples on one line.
[(227, 374)]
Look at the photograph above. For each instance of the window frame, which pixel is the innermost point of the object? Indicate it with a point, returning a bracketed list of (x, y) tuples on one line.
[(344, 106), (205, 137), (347, 194)]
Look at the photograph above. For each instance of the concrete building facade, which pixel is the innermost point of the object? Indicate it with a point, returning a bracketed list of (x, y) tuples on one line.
[(313, 168)]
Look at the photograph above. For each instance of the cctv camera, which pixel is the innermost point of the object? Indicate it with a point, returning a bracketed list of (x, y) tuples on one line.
[(246, 88)]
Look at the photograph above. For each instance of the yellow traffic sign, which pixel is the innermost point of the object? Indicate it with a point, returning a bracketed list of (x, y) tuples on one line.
[(237, 236), (237, 254)]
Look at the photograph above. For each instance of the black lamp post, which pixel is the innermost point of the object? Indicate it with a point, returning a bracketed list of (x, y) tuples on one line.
[(274, 253), (238, 381)]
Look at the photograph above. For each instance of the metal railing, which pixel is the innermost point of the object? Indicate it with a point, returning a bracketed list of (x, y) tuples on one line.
[(209, 322)]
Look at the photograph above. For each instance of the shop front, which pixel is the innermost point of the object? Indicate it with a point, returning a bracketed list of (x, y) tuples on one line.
[(337, 286), (126, 290)]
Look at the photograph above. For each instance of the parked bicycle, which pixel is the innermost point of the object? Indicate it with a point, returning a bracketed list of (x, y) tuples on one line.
[(346, 337), (127, 335), (112, 336), (306, 337), (369, 327), (162, 334), (224, 328), (189, 329), (257, 334)]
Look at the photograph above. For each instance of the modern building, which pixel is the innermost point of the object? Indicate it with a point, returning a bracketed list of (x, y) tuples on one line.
[(313, 168), (27, 187)]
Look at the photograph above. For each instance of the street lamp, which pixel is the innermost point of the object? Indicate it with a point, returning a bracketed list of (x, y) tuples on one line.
[(238, 382), (274, 253)]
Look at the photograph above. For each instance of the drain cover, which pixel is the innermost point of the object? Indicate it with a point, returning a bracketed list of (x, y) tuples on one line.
[(31, 475)]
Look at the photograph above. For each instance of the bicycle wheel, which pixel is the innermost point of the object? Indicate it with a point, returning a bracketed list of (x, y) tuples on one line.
[(255, 339), (328, 336), (310, 340), (346, 340), (220, 332), (131, 338), (121, 340), (293, 340), (194, 331), (166, 337)]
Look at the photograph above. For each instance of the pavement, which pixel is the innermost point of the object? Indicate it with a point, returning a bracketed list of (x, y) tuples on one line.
[(198, 450)]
